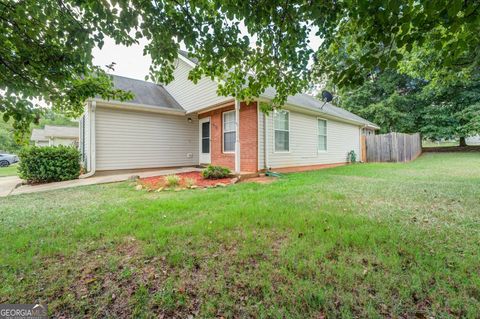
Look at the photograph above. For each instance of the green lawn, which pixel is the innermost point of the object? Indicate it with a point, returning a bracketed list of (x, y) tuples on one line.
[(367, 240), (9, 170)]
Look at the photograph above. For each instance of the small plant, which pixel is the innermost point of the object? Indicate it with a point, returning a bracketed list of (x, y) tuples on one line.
[(189, 182), (352, 157), (172, 180), (215, 172)]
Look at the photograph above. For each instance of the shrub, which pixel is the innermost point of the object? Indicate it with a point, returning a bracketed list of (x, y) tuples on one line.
[(215, 172), (49, 164), (172, 180)]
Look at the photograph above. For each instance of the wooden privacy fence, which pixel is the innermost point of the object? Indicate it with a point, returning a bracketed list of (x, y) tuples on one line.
[(391, 147)]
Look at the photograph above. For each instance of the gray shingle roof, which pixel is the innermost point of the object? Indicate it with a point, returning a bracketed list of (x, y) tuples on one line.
[(309, 102), (54, 131), (186, 55), (61, 131), (146, 93), (38, 135)]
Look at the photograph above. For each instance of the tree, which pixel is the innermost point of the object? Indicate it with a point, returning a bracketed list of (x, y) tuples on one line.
[(400, 103), (382, 34), (453, 111), (46, 46), (391, 100), (12, 140)]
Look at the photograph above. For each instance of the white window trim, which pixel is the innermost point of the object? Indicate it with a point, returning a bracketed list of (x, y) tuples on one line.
[(289, 129), (318, 134), (223, 132)]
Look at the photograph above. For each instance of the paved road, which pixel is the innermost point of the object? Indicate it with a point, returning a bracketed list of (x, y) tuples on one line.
[(8, 184)]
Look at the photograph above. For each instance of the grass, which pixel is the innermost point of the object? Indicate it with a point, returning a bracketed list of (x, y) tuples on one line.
[(366, 240), (9, 170)]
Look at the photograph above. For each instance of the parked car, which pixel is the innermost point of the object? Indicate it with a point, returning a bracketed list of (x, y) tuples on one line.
[(8, 159)]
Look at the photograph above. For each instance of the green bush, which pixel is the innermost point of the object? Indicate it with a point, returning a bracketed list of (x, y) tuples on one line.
[(49, 164), (215, 172)]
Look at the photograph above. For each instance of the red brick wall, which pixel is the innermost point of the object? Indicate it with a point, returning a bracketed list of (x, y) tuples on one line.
[(248, 137), (216, 136)]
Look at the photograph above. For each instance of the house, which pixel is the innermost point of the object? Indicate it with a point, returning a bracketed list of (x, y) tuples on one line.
[(187, 124), (473, 140), (52, 135)]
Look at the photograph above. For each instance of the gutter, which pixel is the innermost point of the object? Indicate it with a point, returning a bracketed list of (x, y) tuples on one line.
[(265, 140), (304, 109), (138, 107), (92, 158)]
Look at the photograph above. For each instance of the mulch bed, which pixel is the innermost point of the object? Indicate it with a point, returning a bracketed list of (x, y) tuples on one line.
[(156, 182)]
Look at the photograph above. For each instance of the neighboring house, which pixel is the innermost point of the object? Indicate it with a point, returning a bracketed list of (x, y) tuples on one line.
[(187, 124), (473, 140), (55, 135)]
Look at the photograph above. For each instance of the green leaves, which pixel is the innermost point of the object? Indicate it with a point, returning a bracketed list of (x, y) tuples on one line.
[(49, 164), (400, 103), (46, 46), (391, 30)]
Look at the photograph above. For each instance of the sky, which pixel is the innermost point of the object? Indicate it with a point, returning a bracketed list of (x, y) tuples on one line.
[(131, 62)]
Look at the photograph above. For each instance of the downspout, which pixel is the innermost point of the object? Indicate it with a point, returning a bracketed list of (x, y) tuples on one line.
[(265, 144), (237, 136), (92, 147)]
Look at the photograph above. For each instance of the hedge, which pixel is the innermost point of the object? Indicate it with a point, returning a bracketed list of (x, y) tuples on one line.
[(49, 164)]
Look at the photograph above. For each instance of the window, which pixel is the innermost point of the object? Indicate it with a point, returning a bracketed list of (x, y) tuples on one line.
[(229, 132), (206, 137), (322, 135), (282, 131)]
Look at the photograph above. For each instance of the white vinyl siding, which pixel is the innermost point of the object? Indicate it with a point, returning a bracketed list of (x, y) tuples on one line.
[(228, 120), (322, 135), (341, 139), (42, 143), (281, 120), (193, 96), (56, 141), (134, 139)]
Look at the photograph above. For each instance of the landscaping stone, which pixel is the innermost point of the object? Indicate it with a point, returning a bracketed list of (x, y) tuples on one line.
[(220, 185), (138, 187)]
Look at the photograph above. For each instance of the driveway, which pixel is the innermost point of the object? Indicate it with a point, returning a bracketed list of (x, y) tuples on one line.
[(8, 184)]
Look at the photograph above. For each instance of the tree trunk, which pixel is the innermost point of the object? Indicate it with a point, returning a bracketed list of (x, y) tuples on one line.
[(462, 141)]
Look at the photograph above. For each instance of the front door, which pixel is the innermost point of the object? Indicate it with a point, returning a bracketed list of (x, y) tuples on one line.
[(205, 141)]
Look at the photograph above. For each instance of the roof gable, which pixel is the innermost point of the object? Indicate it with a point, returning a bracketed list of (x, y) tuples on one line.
[(300, 100)]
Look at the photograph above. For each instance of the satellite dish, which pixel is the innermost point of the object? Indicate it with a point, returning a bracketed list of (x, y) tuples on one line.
[(327, 96)]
